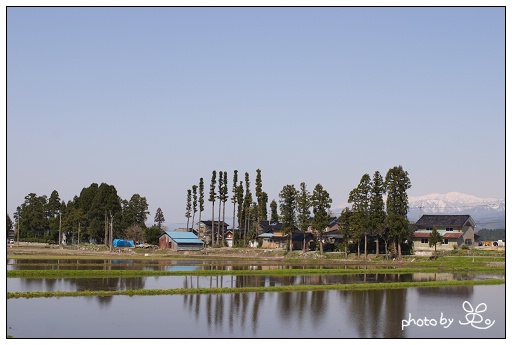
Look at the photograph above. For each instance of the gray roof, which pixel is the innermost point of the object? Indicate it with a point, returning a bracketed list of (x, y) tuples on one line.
[(444, 220)]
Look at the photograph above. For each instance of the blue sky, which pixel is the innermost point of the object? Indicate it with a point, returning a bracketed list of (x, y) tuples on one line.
[(152, 99)]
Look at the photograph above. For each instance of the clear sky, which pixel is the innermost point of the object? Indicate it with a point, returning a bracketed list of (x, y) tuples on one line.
[(152, 99)]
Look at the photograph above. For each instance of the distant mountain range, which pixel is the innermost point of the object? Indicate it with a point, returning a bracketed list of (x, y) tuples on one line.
[(486, 212)]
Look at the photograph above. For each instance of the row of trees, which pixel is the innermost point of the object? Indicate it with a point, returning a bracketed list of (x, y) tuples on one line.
[(369, 215), (247, 211), (97, 215)]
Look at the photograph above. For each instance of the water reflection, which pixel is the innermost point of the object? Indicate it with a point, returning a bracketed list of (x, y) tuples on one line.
[(164, 265), (228, 281), (313, 314)]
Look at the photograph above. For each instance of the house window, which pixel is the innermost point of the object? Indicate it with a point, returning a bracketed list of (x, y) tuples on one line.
[(424, 240), (449, 229), (445, 241), (468, 242), (428, 228)]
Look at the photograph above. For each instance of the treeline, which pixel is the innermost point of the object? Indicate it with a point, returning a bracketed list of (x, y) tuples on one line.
[(302, 209), (491, 234), (97, 215)]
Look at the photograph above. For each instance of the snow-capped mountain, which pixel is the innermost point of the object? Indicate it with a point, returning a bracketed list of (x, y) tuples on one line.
[(486, 212)]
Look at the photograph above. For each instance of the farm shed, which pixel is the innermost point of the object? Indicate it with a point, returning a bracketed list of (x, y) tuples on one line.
[(178, 240)]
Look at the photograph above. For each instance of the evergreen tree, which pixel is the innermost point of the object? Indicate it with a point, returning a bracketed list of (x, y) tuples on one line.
[(397, 182), (152, 234), (287, 205), (247, 205), (159, 218), (138, 210), (73, 220), (345, 226), (9, 224), (377, 212), (54, 214), (220, 196), (201, 198), (274, 216), (360, 199), (234, 196), (212, 198), (434, 238), (194, 204), (261, 198), (321, 203), (224, 199), (240, 202), (33, 220), (303, 210), (188, 207)]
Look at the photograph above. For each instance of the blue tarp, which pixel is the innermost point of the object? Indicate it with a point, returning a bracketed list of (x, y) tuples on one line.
[(122, 243)]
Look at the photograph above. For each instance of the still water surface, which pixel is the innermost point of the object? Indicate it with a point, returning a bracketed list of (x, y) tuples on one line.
[(314, 314), (318, 314)]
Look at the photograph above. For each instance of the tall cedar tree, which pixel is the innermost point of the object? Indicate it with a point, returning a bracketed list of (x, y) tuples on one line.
[(345, 227), (287, 205), (274, 215), (240, 202), (247, 205), (377, 211), (360, 199), (220, 196), (159, 218), (224, 199), (212, 198), (261, 197), (321, 202), (201, 198), (303, 210), (234, 196), (194, 204), (189, 207), (397, 182)]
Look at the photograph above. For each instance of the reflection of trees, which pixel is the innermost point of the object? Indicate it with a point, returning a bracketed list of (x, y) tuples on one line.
[(447, 292), (373, 312)]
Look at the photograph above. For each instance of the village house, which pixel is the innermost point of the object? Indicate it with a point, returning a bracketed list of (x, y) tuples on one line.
[(204, 231), (272, 235), (180, 240), (456, 230)]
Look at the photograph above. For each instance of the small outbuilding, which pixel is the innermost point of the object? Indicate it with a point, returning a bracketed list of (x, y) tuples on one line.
[(178, 240)]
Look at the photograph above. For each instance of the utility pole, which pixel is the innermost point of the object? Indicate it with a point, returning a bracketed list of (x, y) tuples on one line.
[(111, 230), (18, 234), (78, 233), (60, 230)]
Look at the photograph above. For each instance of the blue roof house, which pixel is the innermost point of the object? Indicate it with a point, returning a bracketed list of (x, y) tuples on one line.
[(178, 240)]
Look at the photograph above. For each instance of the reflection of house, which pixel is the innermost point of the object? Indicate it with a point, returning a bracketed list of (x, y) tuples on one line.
[(455, 229), (178, 240)]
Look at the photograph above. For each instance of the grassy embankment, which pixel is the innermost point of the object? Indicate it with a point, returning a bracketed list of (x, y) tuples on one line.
[(491, 263), (293, 288)]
